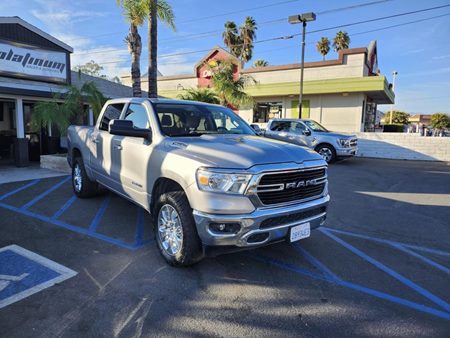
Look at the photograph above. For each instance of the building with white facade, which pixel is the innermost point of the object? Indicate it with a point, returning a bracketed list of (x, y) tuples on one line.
[(342, 94)]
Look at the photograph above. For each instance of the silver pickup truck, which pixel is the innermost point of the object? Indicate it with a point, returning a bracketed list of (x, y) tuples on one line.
[(209, 182), (331, 146)]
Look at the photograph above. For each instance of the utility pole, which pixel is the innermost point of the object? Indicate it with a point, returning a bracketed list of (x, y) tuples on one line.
[(394, 75), (300, 96), (294, 19)]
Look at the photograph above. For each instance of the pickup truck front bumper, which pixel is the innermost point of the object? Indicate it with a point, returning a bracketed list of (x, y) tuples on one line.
[(346, 152), (263, 226)]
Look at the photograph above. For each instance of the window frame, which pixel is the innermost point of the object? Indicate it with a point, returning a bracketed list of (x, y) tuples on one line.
[(125, 110), (99, 126)]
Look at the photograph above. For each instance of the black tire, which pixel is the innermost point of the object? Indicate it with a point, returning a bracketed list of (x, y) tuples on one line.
[(191, 250), (86, 188), (327, 152)]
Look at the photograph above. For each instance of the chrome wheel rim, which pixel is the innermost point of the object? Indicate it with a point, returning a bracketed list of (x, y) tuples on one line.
[(326, 154), (170, 230), (77, 179)]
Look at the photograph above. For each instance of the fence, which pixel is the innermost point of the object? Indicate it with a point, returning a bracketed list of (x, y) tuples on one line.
[(403, 146)]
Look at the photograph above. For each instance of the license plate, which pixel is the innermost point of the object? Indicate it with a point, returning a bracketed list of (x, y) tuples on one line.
[(300, 231)]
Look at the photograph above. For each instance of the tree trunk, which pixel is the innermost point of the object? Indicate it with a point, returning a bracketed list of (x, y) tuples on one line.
[(135, 46), (153, 50)]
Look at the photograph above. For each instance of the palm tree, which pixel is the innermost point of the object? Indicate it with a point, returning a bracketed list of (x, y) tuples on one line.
[(323, 46), (260, 63), (240, 42), (135, 12), (231, 38), (52, 113), (200, 94), (341, 41), (231, 91), (156, 9), (248, 35)]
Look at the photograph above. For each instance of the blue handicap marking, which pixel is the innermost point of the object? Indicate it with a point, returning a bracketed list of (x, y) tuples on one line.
[(23, 273)]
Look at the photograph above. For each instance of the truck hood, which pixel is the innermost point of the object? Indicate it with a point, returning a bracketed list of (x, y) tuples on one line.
[(239, 151), (337, 135)]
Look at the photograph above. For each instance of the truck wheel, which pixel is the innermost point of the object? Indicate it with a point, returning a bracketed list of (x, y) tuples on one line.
[(175, 230), (82, 186), (327, 152)]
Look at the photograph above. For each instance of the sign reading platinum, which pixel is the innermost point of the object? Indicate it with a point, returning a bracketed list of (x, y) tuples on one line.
[(32, 63)]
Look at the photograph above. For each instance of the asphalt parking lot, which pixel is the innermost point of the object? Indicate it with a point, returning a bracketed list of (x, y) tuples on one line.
[(380, 267)]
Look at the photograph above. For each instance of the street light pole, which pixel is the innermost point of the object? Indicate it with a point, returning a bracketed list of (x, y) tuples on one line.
[(295, 19), (300, 97), (394, 75)]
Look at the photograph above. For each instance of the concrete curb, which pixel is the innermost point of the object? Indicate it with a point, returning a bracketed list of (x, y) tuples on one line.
[(55, 162)]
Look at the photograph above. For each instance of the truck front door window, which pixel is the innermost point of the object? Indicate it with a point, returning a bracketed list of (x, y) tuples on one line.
[(137, 114), (196, 120)]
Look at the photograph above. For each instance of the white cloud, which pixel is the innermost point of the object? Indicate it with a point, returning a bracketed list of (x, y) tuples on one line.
[(75, 41), (114, 61), (176, 64), (59, 16), (441, 57), (429, 72), (414, 51), (62, 19)]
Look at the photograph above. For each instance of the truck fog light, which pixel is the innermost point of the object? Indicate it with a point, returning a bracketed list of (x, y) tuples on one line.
[(322, 220), (258, 238), (225, 228)]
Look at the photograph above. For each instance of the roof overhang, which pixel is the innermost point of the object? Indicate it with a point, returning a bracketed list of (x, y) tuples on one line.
[(19, 21), (376, 87)]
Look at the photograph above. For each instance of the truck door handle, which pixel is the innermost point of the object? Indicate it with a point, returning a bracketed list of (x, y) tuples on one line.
[(94, 140), (118, 147)]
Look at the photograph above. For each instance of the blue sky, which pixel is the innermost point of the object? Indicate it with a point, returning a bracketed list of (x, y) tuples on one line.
[(420, 52)]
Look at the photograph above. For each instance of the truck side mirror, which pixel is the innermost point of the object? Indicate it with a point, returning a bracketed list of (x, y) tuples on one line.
[(307, 132), (126, 128)]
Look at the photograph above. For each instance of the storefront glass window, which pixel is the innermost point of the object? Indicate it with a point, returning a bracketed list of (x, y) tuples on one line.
[(265, 111)]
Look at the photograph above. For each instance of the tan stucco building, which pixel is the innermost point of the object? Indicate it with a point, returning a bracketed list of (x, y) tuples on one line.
[(342, 94)]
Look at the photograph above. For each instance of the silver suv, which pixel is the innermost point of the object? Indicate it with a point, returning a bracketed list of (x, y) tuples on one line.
[(331, 146), (210, 183)]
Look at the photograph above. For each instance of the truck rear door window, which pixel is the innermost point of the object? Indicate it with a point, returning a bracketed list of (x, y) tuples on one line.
[(112, 112)]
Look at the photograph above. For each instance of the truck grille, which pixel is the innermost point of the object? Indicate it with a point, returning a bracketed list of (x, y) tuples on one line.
[(290, 186)]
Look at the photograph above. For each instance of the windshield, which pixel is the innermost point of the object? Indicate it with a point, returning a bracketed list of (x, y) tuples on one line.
[(315, 126), (195, 120)]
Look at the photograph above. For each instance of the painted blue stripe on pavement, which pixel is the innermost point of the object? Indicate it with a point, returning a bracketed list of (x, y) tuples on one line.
[(289, 267), (45, 193), (139, 226), (99, 215), (73, 228), (356, 287), (422, 258), (387, 241), (315, 262), (389, 271), (64, 207), (26, 186), (394, 299)]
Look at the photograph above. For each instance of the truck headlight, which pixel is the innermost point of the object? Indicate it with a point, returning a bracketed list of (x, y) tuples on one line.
[(344, 142), (216, 181)]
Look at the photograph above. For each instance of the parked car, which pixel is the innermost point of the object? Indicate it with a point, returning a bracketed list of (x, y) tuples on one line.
[(331, 146), (210, 183)]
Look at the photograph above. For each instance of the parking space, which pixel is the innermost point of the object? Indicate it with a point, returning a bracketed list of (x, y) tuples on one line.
[(380, 267)]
